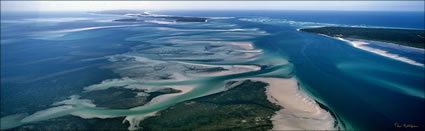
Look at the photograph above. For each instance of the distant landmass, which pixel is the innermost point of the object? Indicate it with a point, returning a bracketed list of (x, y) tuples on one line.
[(119, 12), (405, 37), (185, 19), (174, 18), (139, 15)]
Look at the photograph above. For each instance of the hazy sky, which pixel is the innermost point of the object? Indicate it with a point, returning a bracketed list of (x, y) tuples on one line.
[(210, 5)]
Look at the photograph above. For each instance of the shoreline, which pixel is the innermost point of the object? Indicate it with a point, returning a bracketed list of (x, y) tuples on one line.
[(405, 37), (297, 107), (393, 44), (299, 29), (357, 43)]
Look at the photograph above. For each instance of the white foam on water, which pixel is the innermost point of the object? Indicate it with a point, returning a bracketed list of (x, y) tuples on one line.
[(360, 45)]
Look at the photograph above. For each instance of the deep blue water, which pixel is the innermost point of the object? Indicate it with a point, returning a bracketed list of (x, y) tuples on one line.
[(364, 90), (354, 18)]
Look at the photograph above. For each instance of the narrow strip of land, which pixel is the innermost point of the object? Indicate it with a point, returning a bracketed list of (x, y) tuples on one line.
[(405, 37)]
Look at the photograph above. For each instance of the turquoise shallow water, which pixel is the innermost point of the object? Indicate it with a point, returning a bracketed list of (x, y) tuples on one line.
[(47, 62), (360, 86)]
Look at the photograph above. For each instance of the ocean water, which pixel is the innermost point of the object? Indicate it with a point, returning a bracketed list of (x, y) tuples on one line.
[(53, 57)]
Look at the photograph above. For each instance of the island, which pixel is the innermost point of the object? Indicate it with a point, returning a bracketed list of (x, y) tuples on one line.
[(184, 18), (142, 15), (404, 37), (172, 18)]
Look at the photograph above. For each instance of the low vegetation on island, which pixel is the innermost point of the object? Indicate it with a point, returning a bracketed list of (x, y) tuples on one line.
[(405, 37)]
